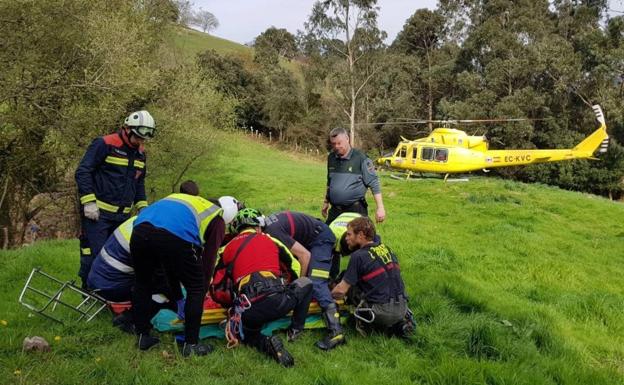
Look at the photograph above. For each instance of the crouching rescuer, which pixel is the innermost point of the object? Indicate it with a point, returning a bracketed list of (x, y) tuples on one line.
[(312, 242), (252, 261), (373, 281)]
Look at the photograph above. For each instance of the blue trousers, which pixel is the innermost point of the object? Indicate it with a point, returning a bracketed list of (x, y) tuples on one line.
[(320, 265), (93, 235)]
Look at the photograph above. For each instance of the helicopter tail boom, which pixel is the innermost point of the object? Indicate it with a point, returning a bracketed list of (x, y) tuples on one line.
[(597, 140)]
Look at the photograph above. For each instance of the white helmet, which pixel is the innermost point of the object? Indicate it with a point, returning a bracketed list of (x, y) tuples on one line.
[(141, 123), (230, 206)]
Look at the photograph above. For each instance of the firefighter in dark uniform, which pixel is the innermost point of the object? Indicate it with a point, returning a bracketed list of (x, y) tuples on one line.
[(349, 174), (312, 242), (111, 181), (255, 269), (377, 287)]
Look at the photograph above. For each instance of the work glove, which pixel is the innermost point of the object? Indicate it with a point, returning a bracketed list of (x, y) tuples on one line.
[(91, 211)]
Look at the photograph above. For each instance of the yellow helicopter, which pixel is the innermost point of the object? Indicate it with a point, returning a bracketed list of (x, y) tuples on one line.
[(451, 151)]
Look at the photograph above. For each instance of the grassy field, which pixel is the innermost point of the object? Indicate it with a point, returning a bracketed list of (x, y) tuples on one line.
[(191, 42), (510, 284), (187, 43)]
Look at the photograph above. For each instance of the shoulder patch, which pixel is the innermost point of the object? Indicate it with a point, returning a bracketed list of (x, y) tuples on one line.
[(370, 166)]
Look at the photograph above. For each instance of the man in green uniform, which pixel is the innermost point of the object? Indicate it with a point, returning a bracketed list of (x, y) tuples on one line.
[(349, 174)]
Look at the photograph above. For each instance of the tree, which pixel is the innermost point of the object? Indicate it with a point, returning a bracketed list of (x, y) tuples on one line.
[(281, 105), (64, 83), (272, 44), (205, 20), (185, 12), (549, 61), (422, 36), (229, 75), (348, 30), (191, 111)]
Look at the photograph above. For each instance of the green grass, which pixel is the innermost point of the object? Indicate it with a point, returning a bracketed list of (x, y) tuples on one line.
[(510, 284), (187, 43), (191, 42)]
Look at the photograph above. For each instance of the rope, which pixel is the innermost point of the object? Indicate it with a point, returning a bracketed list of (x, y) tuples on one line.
[(234, 325)]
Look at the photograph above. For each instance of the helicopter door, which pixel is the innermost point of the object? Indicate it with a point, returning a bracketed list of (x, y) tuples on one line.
[(401, 154), (413, 154)]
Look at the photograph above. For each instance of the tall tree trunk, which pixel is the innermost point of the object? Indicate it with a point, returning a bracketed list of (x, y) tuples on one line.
[(429, 88), (351, 62)]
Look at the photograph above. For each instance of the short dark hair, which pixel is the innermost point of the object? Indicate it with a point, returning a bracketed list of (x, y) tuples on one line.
[(338, 131), (189, 187), (363, 225)]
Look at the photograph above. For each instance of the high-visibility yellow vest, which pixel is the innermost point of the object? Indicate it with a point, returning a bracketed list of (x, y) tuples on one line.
[(124, 232), (339, 226), (186, 216), (203, 210)]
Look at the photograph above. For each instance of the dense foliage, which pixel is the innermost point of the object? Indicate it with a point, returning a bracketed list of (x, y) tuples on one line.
[(70, 71)]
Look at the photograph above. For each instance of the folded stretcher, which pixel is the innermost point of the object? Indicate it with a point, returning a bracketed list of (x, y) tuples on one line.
[(59, 301), (65, 302)]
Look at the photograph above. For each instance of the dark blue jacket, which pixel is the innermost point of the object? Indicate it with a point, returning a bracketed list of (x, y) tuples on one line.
[(113, 268), (113, 173)]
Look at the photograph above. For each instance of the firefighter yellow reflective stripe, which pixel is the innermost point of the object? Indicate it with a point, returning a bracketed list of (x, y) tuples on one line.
[(87, 198), (107, 206), (203, 210), (139, 164), (85, 251), (118, 265), (316, 273), (111, 208), (116, 161), (123, 233), (140, 204)]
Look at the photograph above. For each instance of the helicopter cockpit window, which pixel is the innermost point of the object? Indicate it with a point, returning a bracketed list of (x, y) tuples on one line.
[(441, 155), (403, 152), (427, 153)]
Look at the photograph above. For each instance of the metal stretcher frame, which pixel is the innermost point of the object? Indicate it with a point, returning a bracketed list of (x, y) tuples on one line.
[(90, 305)]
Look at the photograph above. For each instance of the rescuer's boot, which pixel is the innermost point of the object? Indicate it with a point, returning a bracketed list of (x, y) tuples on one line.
[(335, 335)]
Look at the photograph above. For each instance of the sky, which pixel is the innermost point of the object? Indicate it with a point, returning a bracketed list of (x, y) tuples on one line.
[(243, 20)]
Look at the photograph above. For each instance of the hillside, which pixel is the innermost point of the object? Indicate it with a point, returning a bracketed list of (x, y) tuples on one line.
[(186, 43), (510, 284), (191, 42)]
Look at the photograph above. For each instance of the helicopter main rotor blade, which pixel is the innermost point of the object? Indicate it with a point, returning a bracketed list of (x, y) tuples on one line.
[(456, 121)]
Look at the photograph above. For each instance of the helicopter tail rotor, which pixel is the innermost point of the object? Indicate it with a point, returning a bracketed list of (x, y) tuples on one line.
[(599, 115), (604, 145)]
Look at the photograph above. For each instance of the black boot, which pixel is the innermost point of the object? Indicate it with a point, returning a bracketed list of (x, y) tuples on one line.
[(334, 336), (274, 348), (197, 349), (125, 322), (146, 341), (404, 329), (293, 334)]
